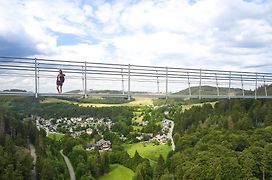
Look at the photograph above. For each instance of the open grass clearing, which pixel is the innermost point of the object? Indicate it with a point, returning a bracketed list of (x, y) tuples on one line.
[(145, 101), (118, 172), (148, 150), (55, 136), (136, 128), (55, 100), (189, 106), (139, 101)]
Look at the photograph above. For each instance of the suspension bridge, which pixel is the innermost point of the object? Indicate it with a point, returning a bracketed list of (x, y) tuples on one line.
[(154, 81)]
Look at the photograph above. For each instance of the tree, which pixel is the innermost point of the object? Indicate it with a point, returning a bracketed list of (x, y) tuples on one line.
[(105, 163), (166, 176), (246, 160), (159, 169), (143, 171), (136, 160), (81, 169)]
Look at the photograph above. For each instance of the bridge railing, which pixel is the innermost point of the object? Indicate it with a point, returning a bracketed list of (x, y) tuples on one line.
[(163, 81)]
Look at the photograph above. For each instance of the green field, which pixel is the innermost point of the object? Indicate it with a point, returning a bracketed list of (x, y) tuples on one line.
[(137, 128), (149, 151), (138, 101), (54, 100), (118, 172), (189, 106), (55, 136)]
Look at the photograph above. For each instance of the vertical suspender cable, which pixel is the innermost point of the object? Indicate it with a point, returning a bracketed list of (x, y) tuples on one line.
[(229, 83), (166, 83), (242, 82), (158, 83), (38, 77), (265, 90), (189, 85), (216, 81), (200, 83), (36, 80), (123, 86), (128, 93), (256, 85), (85, 88), (83, 81)]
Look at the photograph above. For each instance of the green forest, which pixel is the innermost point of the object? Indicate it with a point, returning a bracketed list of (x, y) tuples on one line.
[(231, 139), (15, 159)]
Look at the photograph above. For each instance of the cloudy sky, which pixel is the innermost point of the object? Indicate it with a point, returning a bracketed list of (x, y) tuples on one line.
[(214, 34)]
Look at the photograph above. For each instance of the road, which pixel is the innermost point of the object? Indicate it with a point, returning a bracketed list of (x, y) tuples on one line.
[(170, 133), (69, 165), (34, 156)]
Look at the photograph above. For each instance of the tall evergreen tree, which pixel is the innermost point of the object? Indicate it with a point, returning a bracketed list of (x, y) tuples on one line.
[(159, 169)]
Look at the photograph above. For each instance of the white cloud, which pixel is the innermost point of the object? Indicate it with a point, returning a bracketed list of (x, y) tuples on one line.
[(214, 34)]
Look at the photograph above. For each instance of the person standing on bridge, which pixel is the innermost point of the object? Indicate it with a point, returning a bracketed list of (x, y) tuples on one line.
[(60, 81)]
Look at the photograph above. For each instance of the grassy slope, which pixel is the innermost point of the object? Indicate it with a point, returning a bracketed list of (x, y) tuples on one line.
[(54, 100), (211, 90), (118, 172), (136, 102), (150, 151), (189, 106), (55, 136)]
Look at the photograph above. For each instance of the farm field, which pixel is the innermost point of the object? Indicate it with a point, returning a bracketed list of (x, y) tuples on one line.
[(118, 172)]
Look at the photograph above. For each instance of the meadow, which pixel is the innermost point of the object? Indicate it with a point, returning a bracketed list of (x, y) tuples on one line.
[(118, 172), (147, 150)]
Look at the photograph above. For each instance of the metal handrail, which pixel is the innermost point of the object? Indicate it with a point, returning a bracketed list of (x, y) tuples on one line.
[(43, 68)]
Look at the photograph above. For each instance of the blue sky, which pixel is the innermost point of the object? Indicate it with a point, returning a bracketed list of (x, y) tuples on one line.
[(214, 34)]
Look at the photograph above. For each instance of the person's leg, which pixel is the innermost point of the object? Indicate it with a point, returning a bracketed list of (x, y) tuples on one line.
[(60, 88)]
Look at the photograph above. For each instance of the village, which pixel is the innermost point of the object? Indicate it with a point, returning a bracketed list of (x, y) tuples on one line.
[(77, 126)]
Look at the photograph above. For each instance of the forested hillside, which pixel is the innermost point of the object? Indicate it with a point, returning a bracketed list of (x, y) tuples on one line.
[(212, 90), (233, 140), (229, 139), (27, 106), (15, 159)]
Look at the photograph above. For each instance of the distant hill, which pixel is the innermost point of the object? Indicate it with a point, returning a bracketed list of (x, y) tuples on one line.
[(261, 90), (210, 90), (14, 90), (105, 91), (205, 90)]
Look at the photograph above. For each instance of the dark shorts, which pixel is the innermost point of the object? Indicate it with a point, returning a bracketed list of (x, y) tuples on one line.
[(59, 83)]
